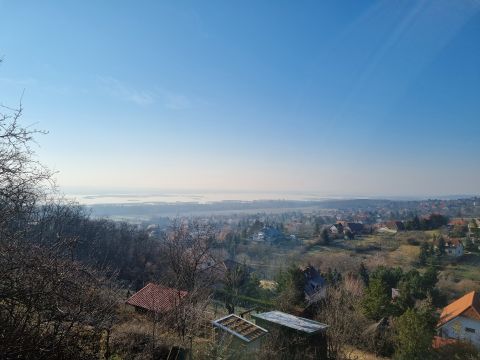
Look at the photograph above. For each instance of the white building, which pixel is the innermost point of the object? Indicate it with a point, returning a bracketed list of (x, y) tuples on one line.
[(334, 229), (258, 237), (454, 247), (461, 319)]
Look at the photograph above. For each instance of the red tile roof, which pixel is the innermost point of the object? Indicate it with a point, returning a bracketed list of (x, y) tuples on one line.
[(453, 242), (459, 222), (468, 306), (156, 298)]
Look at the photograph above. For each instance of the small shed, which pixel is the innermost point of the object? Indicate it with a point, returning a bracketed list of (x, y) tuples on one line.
[(238, 334), (156, 299), (298, 335)]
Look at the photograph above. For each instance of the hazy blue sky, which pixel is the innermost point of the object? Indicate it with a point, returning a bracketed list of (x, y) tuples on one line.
[(339, 97)]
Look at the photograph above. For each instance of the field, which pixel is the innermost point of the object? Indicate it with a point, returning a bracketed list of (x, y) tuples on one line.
[(456, 275)]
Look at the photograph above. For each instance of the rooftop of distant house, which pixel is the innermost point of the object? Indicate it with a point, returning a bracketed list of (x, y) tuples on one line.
[(458, 222), (453, 242), (156, 298)]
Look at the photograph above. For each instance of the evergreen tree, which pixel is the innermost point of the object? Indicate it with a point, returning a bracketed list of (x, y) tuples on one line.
[(325, 237), (291, 287), (470, 245), (376, 302), (390, 276), (431, 249), (424, 253), (405, 300), (441, 246), (349, 235), (414, 332), (364, 275), (429, 279), (416, 223)]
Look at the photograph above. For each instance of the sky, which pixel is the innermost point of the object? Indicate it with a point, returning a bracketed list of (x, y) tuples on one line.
[(366, 98)]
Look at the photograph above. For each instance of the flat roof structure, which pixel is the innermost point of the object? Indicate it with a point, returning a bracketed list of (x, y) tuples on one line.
[(291, 321), (240, 328)]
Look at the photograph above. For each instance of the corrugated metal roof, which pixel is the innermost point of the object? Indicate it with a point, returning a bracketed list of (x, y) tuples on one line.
[(239, 327), (292, 321)]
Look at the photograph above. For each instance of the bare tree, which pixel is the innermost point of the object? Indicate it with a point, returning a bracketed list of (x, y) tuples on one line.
[(233, 280), (191, 267), (340, 310), (51, 307), (22, 177)]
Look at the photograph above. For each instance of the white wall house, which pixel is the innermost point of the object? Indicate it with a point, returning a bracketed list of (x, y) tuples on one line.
[(333, 229), (454, 247), (461, 319), (258, 237)]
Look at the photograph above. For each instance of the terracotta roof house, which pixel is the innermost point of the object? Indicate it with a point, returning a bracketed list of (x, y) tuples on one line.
[(336, 229), (458, 222), (156, 298), (342, 222), (454, 247), (461, 319)]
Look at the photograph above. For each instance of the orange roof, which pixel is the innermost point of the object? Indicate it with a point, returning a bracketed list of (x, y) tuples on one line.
[(468, 306), (454, 242), (156, 298), (460, 222)]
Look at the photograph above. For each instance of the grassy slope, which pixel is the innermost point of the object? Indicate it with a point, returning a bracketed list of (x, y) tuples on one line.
[(457, 276)]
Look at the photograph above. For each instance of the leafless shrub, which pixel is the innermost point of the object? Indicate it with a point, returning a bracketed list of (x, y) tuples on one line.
[(23, 179), (51, 307), (340, 310), (191, 267)]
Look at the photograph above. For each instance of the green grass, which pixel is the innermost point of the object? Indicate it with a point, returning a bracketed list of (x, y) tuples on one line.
[(466, 267), (387, 248)]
